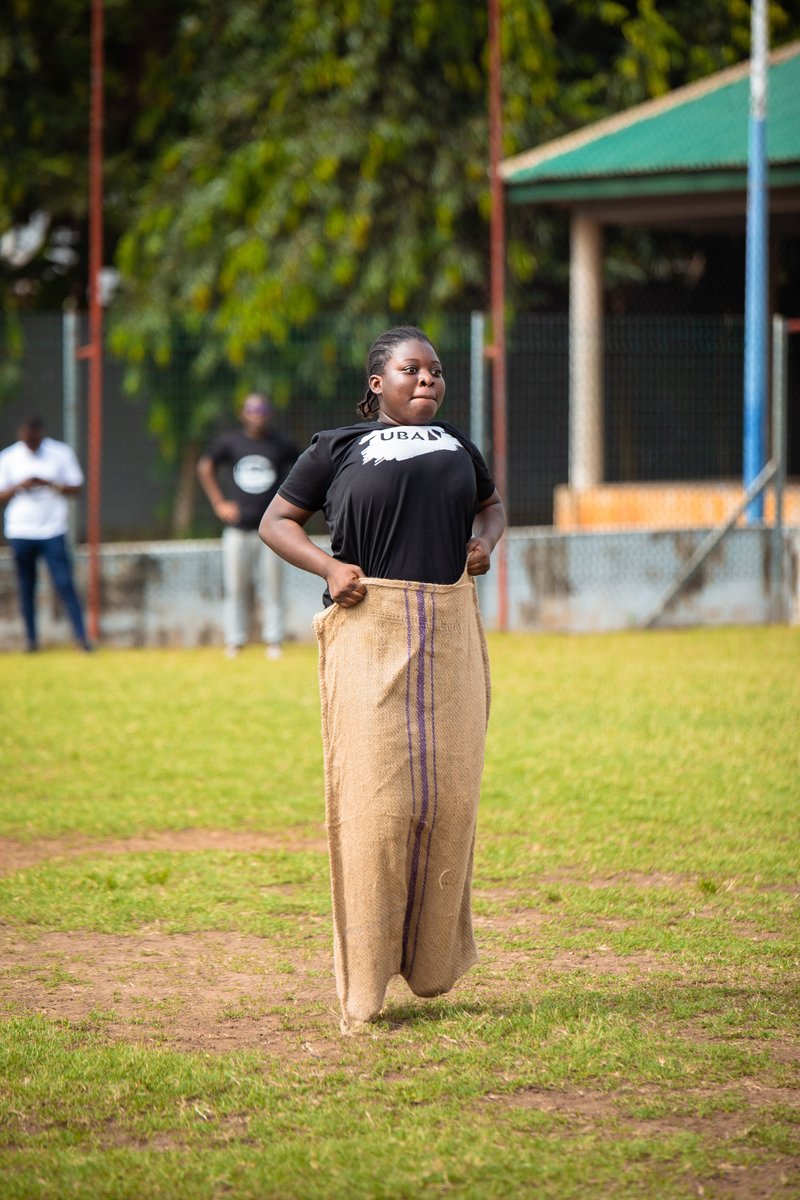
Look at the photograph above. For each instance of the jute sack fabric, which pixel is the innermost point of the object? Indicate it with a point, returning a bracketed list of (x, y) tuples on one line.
[(404, 688)]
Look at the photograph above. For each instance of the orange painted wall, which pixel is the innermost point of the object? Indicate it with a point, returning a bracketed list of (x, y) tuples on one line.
[(660, 505)]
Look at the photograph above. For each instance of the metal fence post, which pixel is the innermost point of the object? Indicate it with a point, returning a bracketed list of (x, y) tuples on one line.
[(477, 379), (780, 384), (69, 377)]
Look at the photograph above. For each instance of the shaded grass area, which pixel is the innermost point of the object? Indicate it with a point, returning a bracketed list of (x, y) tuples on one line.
[(631, 1030)]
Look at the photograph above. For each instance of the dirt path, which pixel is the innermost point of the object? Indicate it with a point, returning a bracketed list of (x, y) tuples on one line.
[(18, 856)]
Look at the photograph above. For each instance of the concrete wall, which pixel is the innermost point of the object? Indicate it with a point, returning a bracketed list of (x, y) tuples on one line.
[(169, 593), (599, 582)]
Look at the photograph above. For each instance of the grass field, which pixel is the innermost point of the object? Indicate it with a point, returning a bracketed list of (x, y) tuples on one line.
[(169, 1020)]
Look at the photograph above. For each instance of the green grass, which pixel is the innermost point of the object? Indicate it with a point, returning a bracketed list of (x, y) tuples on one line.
[(169, 1021)]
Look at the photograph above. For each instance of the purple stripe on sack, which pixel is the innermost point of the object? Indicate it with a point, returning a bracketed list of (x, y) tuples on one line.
[(435, 788), (423, 768), (408, 717), (433, 709)]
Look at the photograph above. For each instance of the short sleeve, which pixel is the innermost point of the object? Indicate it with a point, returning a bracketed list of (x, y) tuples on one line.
[(306, 485), (484, 481), (219, 451), (485, 485), (70, 470)]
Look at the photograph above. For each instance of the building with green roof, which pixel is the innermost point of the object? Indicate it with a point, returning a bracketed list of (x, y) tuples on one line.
[(675, 163)]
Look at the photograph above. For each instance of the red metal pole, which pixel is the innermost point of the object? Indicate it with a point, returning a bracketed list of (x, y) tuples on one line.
[(498, 295), (95, 348)]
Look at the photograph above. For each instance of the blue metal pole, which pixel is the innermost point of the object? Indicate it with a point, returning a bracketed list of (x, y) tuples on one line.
[(755, 312)]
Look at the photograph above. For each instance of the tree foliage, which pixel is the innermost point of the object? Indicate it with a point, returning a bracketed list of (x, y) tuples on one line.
[(271, 160), (44, 130), (335, 156)]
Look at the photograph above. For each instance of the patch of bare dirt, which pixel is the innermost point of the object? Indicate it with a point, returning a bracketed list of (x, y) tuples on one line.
[(219, 1131), (216, 991), (17, 856), (200, 991), (584, 1108), (589, 1103), (752, 1181), (673, 881), (222, 991)]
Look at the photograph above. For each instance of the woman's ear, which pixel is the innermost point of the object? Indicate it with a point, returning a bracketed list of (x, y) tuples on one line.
[(376, 384)]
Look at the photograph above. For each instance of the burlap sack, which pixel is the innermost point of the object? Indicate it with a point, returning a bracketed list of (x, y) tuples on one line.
[(404, 687)]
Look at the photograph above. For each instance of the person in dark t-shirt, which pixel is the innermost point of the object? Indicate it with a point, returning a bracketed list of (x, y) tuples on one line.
[(240, 473), (405, 497), (409, 500)]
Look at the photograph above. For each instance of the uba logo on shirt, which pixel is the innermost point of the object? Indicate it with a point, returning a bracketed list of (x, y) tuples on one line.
[(254, 474), (405, 441)]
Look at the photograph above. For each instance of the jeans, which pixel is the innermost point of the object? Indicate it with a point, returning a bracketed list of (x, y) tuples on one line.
[(27, 552), (246, 561)]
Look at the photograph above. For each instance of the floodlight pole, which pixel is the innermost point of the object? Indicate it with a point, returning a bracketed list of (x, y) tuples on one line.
[(497, 351), (94, 350), (755, 312)]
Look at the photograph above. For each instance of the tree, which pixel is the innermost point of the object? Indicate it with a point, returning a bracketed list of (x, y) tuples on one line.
[(44, 129), (336, 154), (271, 161), (336, 163)]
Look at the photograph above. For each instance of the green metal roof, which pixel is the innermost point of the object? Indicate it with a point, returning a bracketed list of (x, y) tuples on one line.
[(693, 139)]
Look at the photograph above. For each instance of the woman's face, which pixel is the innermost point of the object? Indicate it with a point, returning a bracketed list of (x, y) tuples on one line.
[(411, 388)]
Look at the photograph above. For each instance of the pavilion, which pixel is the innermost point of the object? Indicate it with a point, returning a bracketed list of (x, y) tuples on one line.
[(675, 163)]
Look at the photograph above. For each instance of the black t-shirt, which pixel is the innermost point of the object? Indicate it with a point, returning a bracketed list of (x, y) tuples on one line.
[(399, 500), (257, 466)]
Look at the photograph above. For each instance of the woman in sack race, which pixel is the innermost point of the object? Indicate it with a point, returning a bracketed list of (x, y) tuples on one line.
[(413, 516)]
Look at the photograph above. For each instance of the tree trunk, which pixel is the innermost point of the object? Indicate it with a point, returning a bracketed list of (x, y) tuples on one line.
[(183, 506)]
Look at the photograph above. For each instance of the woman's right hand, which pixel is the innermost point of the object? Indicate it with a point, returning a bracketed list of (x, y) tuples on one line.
[(345, 584)]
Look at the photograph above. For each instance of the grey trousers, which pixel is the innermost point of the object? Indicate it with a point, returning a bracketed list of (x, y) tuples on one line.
[(245, 561)]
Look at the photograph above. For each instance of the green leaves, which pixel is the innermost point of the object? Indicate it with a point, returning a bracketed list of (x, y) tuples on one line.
[(270, 162)]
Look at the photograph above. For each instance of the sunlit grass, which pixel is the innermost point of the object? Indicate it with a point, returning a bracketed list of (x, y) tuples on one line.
[(631, 1029)]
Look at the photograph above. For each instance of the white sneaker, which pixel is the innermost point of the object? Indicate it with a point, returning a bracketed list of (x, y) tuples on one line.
[(232, 651), (274, 651)]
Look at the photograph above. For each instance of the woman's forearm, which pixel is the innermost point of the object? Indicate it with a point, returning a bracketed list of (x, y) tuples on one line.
[(490, 521), (286, 536)]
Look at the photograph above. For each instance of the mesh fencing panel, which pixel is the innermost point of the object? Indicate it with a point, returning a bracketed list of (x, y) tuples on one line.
[(670, 403), (670, 418)]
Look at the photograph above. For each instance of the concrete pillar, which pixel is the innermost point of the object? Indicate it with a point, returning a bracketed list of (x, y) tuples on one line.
[(585, 353)]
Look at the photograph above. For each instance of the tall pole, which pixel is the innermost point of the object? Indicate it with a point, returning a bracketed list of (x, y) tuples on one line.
[(95, 347), (755, 311), (477, 378), (780, 388), (497, 351), (69, 401)]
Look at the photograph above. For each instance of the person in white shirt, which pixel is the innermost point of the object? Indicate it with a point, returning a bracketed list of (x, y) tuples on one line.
[(37, 474)]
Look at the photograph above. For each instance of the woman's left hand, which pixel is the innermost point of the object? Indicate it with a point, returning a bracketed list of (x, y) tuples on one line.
[(479, 556)]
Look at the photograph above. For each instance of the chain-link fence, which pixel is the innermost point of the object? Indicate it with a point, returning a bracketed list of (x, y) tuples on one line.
[(670, 419), (667, 465)]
